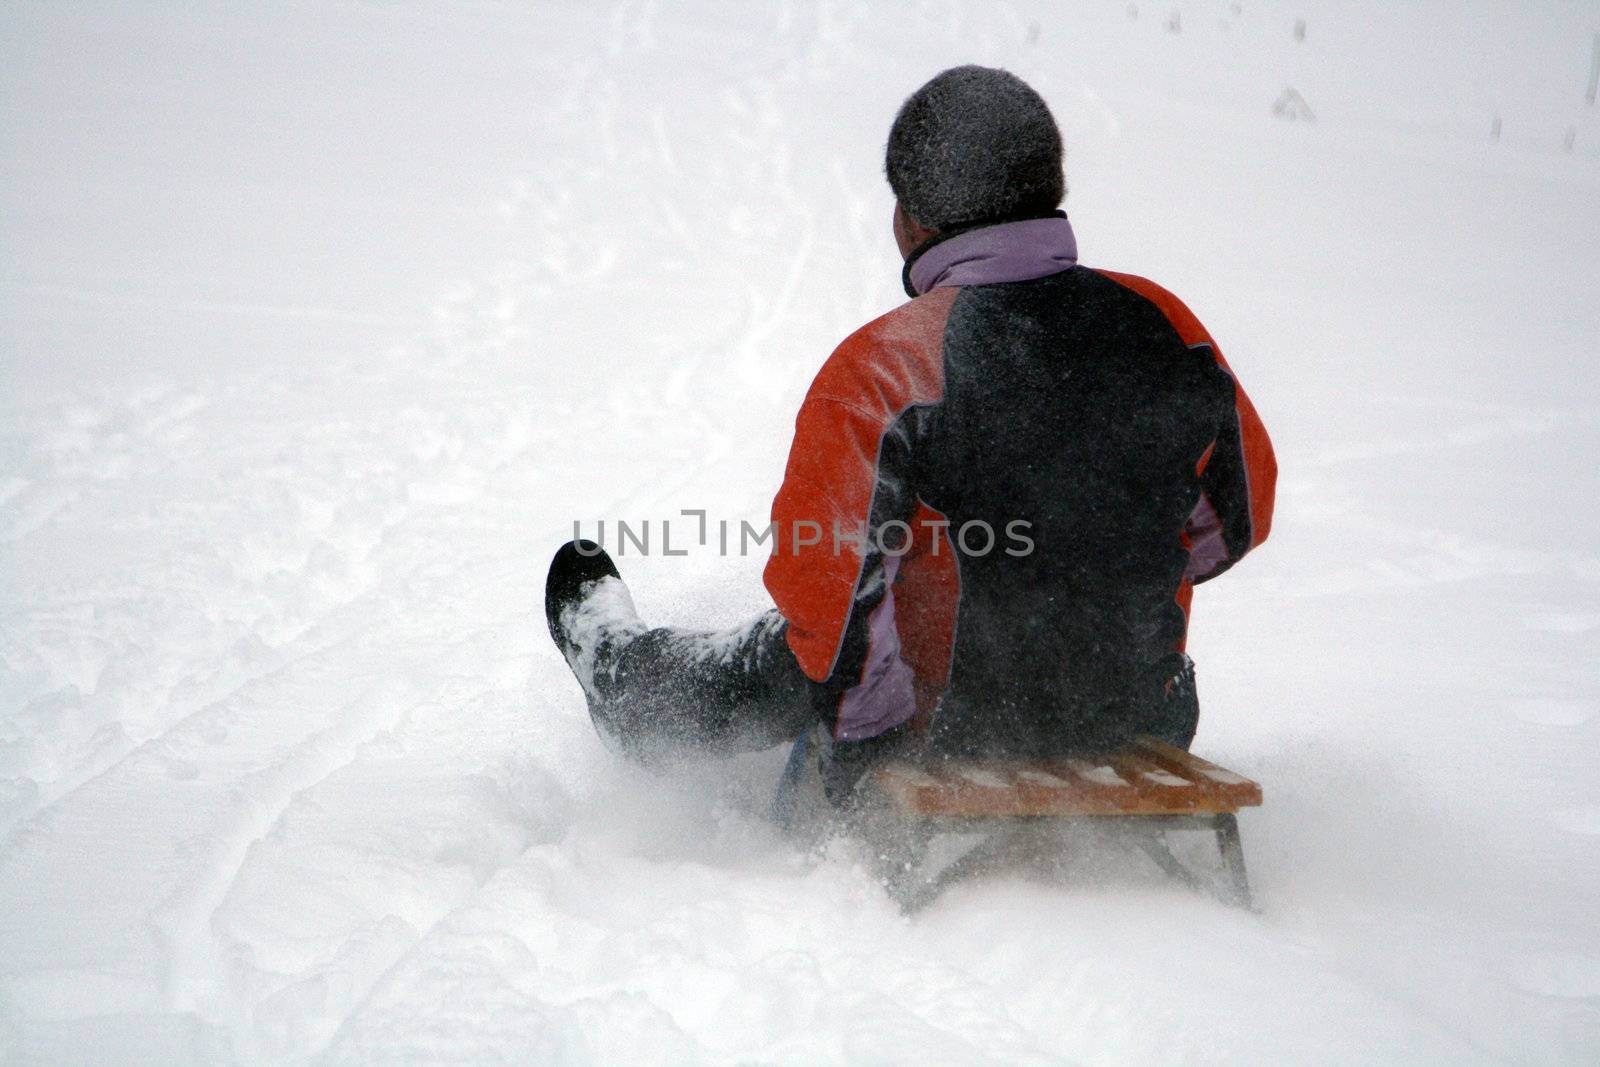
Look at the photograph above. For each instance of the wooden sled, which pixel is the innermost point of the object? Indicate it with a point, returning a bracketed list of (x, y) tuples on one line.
[(1149, 788)]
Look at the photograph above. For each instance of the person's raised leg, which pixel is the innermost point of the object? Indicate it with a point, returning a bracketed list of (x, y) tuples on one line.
[(662, 690)]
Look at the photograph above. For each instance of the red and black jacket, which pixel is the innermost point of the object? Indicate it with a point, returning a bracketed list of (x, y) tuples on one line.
[(1001, 494)]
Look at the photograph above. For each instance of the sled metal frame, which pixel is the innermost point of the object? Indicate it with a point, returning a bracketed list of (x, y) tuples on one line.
[(913, 884), (786, 805)]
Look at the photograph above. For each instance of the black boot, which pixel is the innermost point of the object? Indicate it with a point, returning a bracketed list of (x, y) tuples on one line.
[(590, 614), (666, 690)]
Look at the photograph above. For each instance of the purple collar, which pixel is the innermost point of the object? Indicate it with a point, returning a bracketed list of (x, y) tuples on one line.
[(1007, 252)]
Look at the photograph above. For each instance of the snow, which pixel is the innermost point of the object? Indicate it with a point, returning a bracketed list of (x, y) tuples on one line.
[(1164, 778), (908, 772), (607, 605), (319, 327), (1044, 778), (982, 778), (1099, 775)]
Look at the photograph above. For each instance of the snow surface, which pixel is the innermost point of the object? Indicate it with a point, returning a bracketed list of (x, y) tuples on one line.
[(321, 324)]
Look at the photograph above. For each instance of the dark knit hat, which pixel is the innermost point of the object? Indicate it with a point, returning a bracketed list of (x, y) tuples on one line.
[(975, 145)]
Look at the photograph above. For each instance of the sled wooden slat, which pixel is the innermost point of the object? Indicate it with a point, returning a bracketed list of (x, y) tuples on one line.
[(1097, 788), (1224, 784), (1147, 778), (1157, 783), (972, 787)]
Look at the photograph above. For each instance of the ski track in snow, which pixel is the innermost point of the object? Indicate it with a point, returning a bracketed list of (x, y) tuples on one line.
[(289, 770)]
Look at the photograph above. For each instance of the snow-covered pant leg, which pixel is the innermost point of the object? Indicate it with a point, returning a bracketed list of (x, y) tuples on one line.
[(668, 690), (1178, 712)]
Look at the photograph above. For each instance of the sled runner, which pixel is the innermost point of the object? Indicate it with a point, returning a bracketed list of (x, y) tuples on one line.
[(1148, 788)]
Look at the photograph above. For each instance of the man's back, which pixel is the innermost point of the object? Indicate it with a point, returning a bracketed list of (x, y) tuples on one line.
[(1072, 405), (1049, 442)]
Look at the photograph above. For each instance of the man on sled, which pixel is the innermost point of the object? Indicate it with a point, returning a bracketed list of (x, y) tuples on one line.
[(999, 497)]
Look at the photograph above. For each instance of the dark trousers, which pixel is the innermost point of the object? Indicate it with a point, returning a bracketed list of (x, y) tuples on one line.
[(669, 691)]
